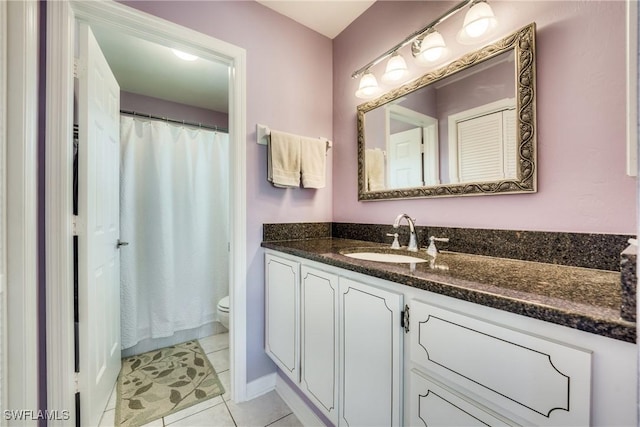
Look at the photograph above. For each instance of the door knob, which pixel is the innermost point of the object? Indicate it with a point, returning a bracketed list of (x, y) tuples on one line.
[(121, 243)]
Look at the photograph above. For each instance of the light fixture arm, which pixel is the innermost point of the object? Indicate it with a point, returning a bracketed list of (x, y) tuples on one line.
[(411, 37)]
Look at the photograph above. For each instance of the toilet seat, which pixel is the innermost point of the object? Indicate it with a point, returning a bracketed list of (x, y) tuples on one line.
[(223, 305)]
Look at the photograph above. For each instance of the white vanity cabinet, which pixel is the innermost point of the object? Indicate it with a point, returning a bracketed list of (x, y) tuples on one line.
[(338, 335), (496, 369), (338, 339), (282, 311)]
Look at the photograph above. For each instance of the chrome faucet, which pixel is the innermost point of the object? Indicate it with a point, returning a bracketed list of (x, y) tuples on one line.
[(413, 238)]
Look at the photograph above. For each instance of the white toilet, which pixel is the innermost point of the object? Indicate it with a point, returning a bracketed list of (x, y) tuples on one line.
[(223, 311)]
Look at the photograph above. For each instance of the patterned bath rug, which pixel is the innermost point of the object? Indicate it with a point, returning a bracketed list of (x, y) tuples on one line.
[(158, 383)]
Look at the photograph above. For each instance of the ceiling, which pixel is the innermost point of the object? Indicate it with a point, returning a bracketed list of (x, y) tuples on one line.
[(327, 17), (150, 69)]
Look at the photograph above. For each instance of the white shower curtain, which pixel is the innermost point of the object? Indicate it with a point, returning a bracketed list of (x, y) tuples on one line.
[(174, 194)]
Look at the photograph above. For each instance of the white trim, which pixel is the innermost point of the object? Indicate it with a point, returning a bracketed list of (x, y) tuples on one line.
[(407, 115), (3, 209), (60, 26), (238, 249), (22, 233), (303, 412), (291, 397), (632, 87), (262, 385), (61, 385)]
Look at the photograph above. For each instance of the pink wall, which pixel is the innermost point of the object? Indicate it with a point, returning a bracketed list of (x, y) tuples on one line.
[(582, 186), (289, 88), (172, 110)]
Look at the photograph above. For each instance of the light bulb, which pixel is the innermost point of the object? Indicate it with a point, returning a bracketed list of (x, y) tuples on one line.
[(432, 48), (368, 86), (477, 28), (478, 22), (396, 69)]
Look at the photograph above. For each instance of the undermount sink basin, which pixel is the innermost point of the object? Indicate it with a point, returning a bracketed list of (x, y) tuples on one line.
[(384, 257)]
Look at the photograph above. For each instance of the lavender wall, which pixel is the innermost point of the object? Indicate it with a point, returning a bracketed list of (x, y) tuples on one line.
[(289, 87), (172, 110), (580, 115)]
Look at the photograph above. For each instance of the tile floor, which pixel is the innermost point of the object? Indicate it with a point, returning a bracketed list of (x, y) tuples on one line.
[(267, 410)]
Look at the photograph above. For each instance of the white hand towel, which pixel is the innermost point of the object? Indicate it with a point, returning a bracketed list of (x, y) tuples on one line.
[(283, 159), (374, 168), (313, 163)]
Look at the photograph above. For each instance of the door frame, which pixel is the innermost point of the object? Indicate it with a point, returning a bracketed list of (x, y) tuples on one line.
[(61, 16), (19, 23)]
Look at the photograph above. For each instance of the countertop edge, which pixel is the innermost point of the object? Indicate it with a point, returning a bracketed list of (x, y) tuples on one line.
[(619, 329)]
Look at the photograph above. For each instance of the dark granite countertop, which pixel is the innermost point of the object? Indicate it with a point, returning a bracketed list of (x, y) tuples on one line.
[(580, 298)]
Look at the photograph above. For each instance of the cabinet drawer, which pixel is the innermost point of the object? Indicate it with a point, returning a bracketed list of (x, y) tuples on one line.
[(434, 404), (541, 381)]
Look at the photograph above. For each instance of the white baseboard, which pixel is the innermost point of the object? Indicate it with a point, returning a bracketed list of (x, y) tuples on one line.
[(304, 414), (261, 386)]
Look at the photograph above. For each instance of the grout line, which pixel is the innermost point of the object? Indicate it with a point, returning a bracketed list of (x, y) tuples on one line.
[(230, 414), (190, 415), (105, 413), (273, 422), (215, 351)]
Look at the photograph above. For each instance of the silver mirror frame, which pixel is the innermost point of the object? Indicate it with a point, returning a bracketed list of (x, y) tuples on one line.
[(523, 44)]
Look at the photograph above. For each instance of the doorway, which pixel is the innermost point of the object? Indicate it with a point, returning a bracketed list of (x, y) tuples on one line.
[(173, 215), (61, 16), (174, 195)]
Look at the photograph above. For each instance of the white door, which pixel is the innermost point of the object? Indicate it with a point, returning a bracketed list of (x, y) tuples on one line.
[(370, 355), (98, 212), (405, 158)]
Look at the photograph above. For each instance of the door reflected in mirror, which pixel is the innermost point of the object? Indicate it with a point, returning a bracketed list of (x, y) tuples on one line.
[(455, 131)]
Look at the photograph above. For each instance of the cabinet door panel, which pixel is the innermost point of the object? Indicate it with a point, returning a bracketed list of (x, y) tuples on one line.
[(370, 355), (433, 404), (281, 330), (319, 335)]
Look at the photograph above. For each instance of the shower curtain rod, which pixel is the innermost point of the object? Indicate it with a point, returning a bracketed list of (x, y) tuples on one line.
[(181, 122)]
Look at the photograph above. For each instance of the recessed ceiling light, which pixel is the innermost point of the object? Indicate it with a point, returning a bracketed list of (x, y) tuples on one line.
[(183, 55)]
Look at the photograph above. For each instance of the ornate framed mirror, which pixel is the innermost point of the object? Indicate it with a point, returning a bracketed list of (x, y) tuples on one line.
[(467, 128)]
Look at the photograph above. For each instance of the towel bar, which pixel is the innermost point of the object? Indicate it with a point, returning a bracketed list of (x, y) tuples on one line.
[(263, 132)]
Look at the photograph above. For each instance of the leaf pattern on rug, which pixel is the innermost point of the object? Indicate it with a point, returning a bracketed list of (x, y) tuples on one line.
[(155, 384)]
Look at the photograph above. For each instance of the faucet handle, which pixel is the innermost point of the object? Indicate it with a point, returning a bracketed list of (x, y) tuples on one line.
[(439, 239), (395, 244), (432, 250)]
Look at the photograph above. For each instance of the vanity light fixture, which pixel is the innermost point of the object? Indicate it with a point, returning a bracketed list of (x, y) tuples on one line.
[(432, 48), (478, 22), (183, 55), (368, 86), (396, 69), (427, 45)]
